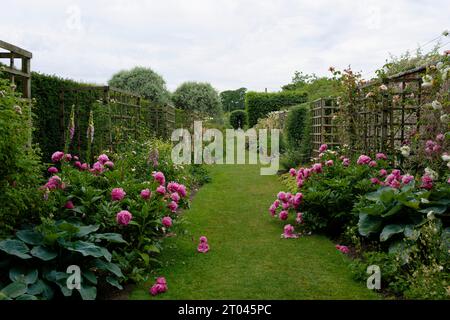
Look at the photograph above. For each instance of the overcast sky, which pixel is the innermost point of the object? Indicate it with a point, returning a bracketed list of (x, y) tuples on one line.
[(255, 44)]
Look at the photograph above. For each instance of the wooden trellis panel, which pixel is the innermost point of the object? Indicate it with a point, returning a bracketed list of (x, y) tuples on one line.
[(323, 131)]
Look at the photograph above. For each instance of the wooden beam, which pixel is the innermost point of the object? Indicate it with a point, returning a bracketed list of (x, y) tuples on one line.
[(13, 48), (9, 55), (16, 72)]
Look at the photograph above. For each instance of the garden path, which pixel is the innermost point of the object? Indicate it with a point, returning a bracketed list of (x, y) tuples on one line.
[(248, 259)]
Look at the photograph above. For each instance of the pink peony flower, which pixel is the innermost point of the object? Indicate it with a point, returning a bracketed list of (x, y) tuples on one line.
[(159, 287), (172, 186), (448, 181), (317, 167), (285, 205), (68, 157), (167, 221), (159, 176), (343, 249), (276, 203), (289, 232), (109, 164), (323, 148), (203, 246), (380, 156), (52, 170), (175, 197), (54, 183), (103, 158), (84, 166), (145, 194), (161, 190), (299, 218), (292, 172), (76, 158), (427, 182), (77, 164), (329, 163), (383, 172), (182, 190), (69, 205), (407, 178), (363, 159), (283, 215), (297, 200), (395, 184), (375, 181), (272, 210), (57, 156), (117, 194), (440, 137), (397, 173), (124, 217), (300, 183), (372, 164), (97, 167), (282, 196), (346, 162), (172, 206)]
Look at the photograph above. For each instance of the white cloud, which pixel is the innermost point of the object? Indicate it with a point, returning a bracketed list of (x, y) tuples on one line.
[(256, 44)]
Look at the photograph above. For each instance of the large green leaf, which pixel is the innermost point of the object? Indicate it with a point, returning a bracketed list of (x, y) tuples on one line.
[(26, 297), (14, 289), (113, 281), (16, 248), (393, 211), (85, 248), (85, 230), (111, 237), (435, 209), (368, 224), (88, 292), (30, 237), (43, 253), (90, 276), (108, 266), (390, 230), (27, 276), (411, 233)]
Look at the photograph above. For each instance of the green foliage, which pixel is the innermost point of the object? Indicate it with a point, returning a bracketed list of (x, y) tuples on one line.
[(233, 99), (142, 81), (198, 97), (297, 133), (37, 258), (238, 119), (315, 87), (20, 169), (260, 104)]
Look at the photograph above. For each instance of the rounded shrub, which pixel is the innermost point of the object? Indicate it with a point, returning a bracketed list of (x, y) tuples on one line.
[(238, 119)]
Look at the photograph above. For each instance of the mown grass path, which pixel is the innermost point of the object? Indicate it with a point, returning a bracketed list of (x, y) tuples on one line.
[(248, 259)]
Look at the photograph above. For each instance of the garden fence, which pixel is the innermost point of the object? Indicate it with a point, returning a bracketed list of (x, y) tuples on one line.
[(376, 122)]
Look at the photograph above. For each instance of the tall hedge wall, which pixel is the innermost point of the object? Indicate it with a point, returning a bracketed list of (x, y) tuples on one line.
[(298, 129), (259, 104), (48, 121)]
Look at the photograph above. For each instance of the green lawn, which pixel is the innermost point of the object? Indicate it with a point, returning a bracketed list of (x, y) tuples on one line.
[(248, 259)]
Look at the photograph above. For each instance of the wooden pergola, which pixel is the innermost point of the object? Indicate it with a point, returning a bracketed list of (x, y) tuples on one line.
[(12, 53)]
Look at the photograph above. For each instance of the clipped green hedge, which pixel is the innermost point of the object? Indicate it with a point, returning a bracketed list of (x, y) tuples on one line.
[(259, 104), (238, 119)]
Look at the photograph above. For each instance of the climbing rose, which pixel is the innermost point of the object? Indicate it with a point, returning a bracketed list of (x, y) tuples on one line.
[(124, 217), (69, 205), (172, 206), (323, 148), (57, 156), (283, 215), (159, 176), (161, 190), (103, 158), (52, 170), (145, 194), (117, 194), (363, 159), (381, 156), (167, 221)]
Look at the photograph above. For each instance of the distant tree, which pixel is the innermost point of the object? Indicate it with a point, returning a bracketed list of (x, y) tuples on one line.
[(143, 81), (316, 87), (200, 97), (238, 119), (233, 99)]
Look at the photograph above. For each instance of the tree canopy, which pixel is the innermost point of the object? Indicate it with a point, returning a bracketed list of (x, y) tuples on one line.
[(233, 99)]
